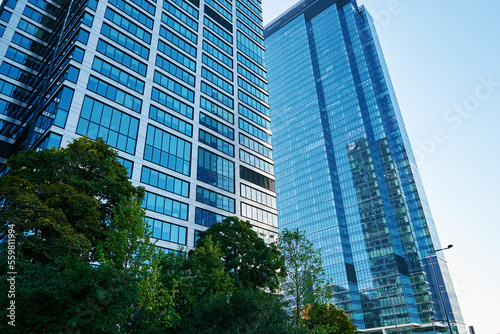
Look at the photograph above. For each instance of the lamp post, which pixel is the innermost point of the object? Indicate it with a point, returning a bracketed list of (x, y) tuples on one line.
[(394, 314), (437, 285), (433, 328)]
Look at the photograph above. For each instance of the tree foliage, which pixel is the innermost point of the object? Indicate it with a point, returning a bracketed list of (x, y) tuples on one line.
[(325, 318), (248, 259), (71, 209), (62, 201), (306, 282), (244, 311)]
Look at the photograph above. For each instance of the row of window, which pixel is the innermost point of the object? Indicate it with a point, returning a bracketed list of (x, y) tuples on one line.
[(206, 218), (250, 32), (166, 206), (259, 215), (254, 131), (12, 110), (184, 5), (252, 90), (133, 12), (219, 9), (180, 15), (251, 65), (125, 41), (217, 143), (27, 43), (193, 37), (116, 74), (252, 77), (250, 48), (176, 55), (217, 67), (257, 105), (145, 5), (216, 80), (217, 54), (118, 129), (45, 6), (40, 18), (121, 57), (226, 4), (251, 14), (215, 199), (256, 162), (257, 178), (114, 94), (13, 91), (217, 95), (167, 150), (254, 116), (257, 196), (173, 86), (215, 170), (33, 30), (256, 146), (8, 129), (258, 29), (166, 231), (216, 110), (175, 70), (128, 25), (170, 121), (255, 7), (221, 32), (218, 42), (216, 126), (173, 38), (172, 103), (165, 182), (15, 73)]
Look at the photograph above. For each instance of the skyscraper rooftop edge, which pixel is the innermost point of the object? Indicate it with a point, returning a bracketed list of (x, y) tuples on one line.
[(308, 7)]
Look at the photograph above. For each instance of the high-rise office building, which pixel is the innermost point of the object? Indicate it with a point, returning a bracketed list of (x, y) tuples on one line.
[(177, 87), (345, 171)]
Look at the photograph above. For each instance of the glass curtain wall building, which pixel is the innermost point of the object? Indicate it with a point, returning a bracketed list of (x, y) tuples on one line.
[(177, 87), (345, 171)]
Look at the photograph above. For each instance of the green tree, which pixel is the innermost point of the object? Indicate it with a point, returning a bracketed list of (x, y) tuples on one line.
[(244, 311), (326, 319), (62, 202), (71, 208), (306, 282), (196, 278), (248, 259), (69, 297)]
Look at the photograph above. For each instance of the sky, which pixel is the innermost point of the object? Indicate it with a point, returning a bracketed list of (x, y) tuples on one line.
[(444, 61)]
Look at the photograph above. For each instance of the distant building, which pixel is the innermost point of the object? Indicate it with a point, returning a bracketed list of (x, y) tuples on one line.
[(177, 87), (345, 170)]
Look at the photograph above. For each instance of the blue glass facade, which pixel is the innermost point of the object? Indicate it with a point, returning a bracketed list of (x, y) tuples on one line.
[(159, 81), (345, 171)]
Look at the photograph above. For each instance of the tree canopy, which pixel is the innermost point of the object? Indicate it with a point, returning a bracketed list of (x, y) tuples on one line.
[(326, 318), (247, 258), (64, 201), (306, 282), (83, 255)]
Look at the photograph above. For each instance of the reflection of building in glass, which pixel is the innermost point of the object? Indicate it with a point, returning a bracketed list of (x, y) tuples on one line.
[(345, 170), (178, 87)]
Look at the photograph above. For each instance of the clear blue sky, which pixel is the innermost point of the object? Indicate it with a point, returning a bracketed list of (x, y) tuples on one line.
[(444, 61)]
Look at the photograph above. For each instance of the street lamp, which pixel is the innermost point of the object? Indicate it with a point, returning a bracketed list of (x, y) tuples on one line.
[(393, 314), (433, 328), (437, 285)]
